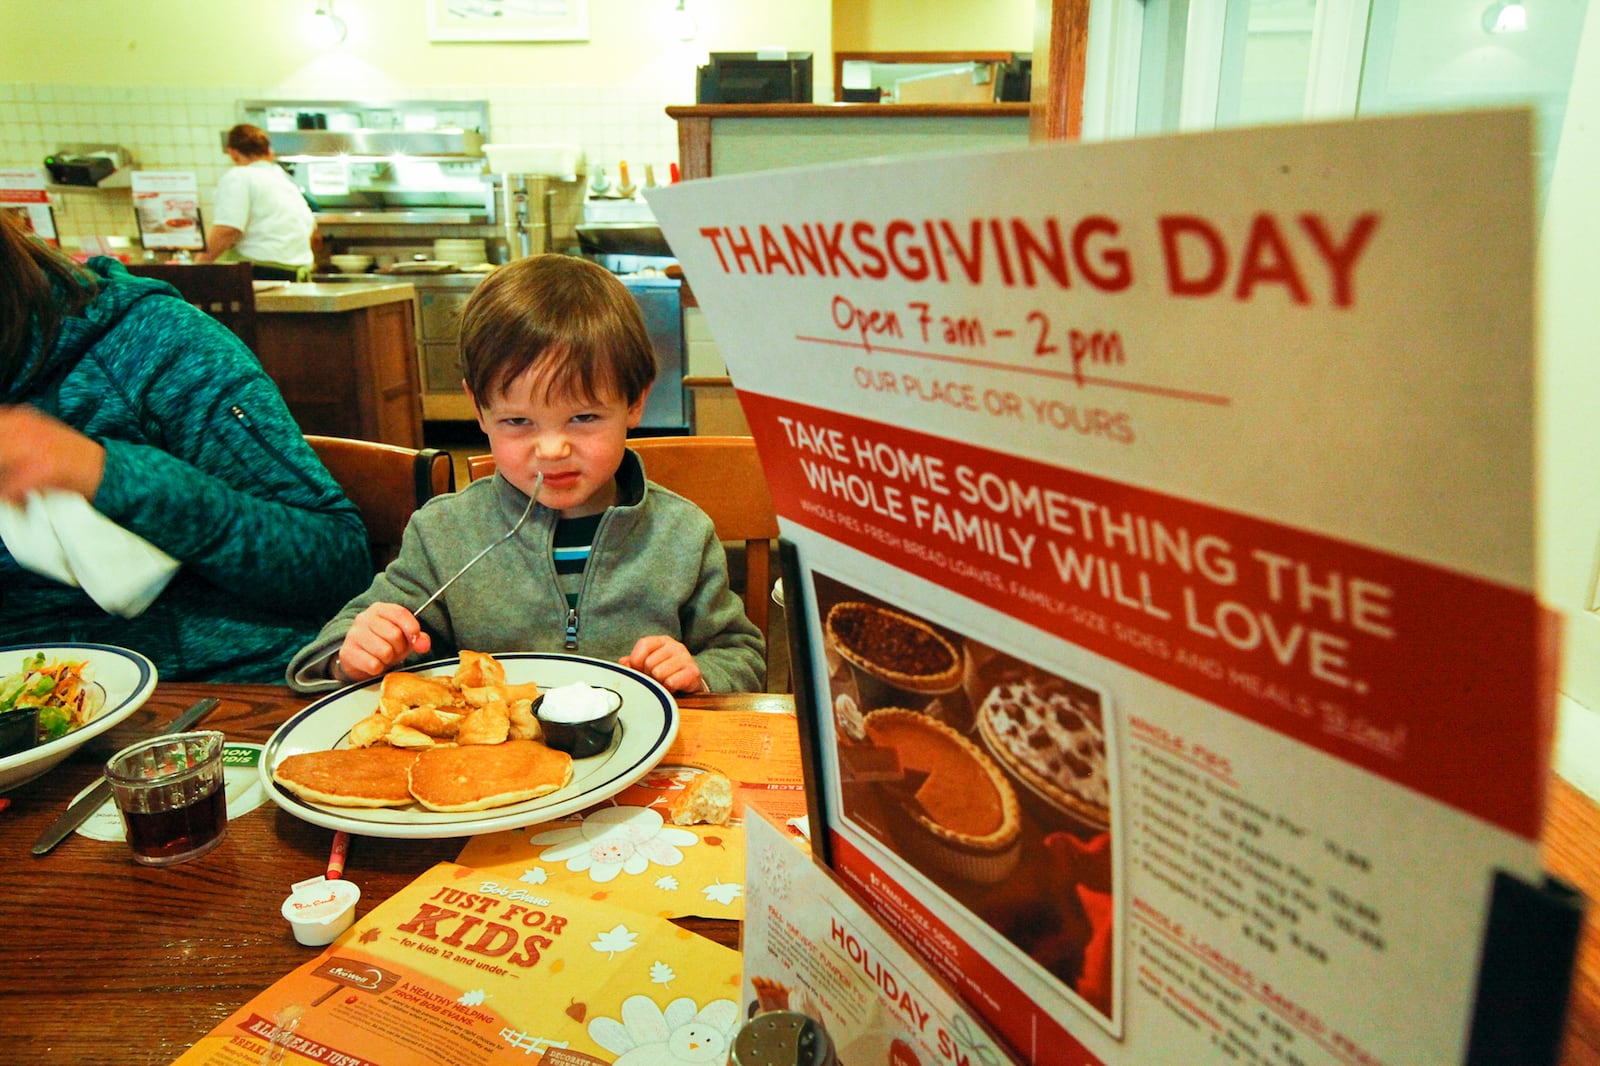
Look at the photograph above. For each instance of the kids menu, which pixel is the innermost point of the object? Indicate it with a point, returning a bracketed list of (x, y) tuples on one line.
[(1161, 526)]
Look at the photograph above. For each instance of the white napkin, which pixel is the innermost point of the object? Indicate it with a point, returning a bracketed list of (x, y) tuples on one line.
[(59, 535)]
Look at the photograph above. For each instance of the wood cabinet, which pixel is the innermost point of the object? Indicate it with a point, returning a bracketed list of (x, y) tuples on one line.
[(345, 359)]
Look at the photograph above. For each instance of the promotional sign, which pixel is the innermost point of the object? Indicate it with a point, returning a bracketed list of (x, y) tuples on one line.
[(168, 206), (1164, 515), (23, 197), (809, 947)]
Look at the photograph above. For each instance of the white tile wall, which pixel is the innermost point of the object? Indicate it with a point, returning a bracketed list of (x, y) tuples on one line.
[(180, 128)]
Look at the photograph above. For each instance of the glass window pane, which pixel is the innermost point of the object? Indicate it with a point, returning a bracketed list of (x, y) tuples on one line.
[(1433, 55), (1266, 60)]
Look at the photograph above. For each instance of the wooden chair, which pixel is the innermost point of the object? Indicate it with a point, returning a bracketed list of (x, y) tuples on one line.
[(222, 290), (723, 475), (386, 483)]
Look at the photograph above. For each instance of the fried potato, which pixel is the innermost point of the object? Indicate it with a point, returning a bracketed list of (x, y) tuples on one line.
[(403, 736), (370, 730), (475, 706), (415, 690), (524, 724), (441, 725), (478, 670), (489, 724)]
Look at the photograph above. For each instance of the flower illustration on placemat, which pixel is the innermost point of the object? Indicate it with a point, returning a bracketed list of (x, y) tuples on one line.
[(614, 841), (683, 1033)]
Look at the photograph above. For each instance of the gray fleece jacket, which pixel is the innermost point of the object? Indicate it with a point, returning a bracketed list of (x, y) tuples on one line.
[(656, 567)]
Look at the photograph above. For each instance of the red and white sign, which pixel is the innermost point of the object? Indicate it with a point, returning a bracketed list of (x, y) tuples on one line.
[(23, 195), (1211, 458), (168, 205)]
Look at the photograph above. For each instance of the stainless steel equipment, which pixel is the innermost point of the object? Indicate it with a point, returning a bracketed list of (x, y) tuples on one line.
[(442, 297), (387, 178)]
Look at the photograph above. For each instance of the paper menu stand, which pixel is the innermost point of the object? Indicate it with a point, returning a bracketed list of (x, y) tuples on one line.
[(811, 947), (1163, 443)]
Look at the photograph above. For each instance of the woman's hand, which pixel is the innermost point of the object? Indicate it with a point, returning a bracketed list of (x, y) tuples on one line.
[(38, 452), (380, 638), (669, 662)]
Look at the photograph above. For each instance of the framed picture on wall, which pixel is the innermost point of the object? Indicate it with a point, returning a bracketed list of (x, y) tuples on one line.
[(508, 20)]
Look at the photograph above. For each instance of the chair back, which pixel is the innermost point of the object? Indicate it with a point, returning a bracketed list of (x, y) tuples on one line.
[(723, 476), (222, 290), (387, 483)]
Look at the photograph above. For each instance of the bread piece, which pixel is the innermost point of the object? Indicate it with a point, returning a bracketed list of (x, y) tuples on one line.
[(708, 800), (480, 776), (349, 777)]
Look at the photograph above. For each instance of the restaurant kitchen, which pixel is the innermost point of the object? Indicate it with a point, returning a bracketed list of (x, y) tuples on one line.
[(415, 189)]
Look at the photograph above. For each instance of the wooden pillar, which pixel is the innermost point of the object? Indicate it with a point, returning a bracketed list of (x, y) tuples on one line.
[(1060, 56)]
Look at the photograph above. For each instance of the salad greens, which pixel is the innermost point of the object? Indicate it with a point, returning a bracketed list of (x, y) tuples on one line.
[(58, 689)]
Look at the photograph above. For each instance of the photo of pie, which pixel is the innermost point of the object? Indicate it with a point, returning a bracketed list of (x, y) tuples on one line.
[(893, 655), (1048, 732), (991, 779), (962, 812)]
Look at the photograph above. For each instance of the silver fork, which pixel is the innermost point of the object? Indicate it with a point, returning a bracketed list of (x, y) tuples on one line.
[(533, 497)]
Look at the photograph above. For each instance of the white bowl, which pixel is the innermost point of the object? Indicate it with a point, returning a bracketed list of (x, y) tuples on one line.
[(127, 677), (351, 264)]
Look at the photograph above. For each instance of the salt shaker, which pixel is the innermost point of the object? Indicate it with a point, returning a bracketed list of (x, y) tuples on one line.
[(782, 1038)]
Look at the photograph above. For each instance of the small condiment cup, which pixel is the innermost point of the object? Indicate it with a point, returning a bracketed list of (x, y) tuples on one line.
[(171, 795), (578, 719), (318, 909)]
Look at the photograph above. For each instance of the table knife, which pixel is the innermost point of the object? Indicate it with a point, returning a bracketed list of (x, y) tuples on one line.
[(91, 800)]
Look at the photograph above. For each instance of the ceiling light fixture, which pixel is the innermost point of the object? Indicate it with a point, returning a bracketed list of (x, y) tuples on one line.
[(684, 27), (1505, 16), (327, 28)]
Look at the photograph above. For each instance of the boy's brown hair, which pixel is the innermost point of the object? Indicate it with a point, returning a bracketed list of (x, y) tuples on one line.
[(571, 318)]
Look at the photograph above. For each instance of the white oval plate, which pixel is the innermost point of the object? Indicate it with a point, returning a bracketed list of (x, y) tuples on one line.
[(646, 727), (127, 677)]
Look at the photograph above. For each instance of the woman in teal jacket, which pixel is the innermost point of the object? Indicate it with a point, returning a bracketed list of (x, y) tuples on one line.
[(113, 388)]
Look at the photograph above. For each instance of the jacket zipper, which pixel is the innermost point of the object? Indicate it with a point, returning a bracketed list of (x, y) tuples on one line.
[(250, 427), (588, 570)]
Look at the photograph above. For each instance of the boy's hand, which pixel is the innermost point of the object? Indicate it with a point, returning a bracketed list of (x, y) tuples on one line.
[(669, 662), (380, 638)]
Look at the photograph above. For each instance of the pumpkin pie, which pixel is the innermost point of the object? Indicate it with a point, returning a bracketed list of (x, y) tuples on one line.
[(962, 814), (895, 649)]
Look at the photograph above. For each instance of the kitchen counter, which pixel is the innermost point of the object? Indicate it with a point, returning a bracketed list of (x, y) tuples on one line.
[(344, 356), (278, 297)]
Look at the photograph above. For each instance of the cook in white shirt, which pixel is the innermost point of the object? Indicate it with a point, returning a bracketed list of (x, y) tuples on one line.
[(260, 215)]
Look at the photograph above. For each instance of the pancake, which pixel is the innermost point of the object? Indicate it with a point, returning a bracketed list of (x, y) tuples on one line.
[(480, 776), (349, 777)]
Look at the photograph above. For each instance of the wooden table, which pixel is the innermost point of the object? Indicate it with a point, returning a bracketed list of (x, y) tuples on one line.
[(103, 960)]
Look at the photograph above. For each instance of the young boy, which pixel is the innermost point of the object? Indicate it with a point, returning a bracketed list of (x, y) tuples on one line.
[(558, 363)]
